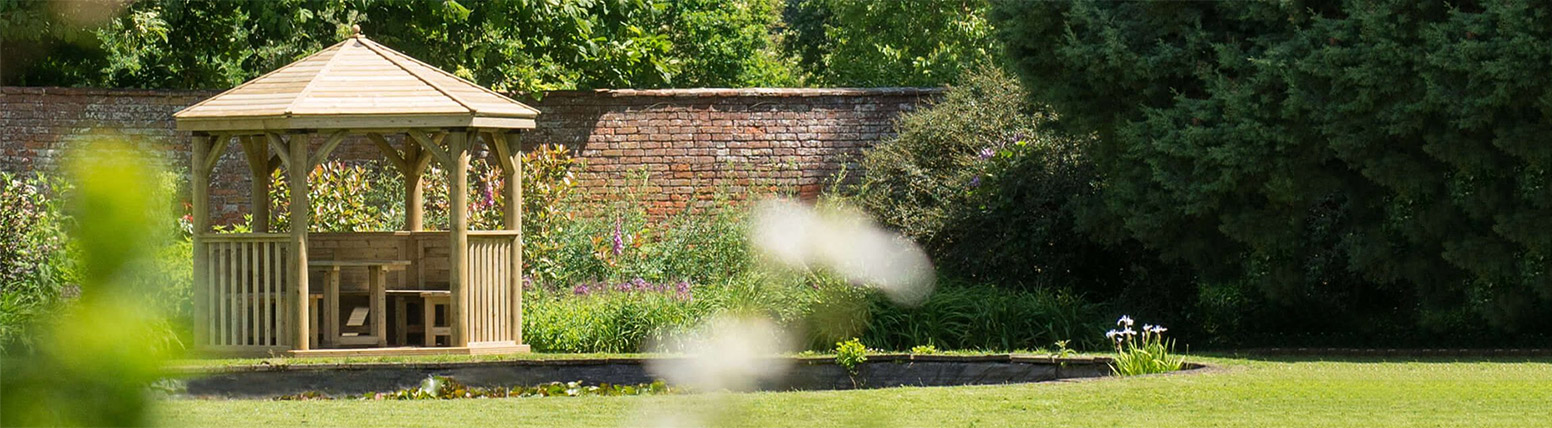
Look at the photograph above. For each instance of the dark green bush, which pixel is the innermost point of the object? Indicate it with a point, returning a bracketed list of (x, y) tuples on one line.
[(995, 198), (1335, 165), (986, 318)]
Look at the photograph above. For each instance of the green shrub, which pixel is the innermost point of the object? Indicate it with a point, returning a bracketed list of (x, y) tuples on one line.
[(601, 317), (850, 355), (995, 198)]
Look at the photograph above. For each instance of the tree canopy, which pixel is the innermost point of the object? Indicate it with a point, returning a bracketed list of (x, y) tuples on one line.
[(511, 45), (1319, 151), (889, 43)]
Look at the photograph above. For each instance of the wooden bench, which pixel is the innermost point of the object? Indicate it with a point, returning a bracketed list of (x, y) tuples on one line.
[(429, 300), (377, 279)]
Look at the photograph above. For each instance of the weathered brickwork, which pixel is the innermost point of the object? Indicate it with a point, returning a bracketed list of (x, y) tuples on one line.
[(683, 141)]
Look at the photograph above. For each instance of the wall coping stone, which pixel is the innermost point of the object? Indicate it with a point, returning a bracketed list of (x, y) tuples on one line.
[(680, 93)]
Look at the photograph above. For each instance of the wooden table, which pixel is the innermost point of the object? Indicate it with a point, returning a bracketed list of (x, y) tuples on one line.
[(377, 279)]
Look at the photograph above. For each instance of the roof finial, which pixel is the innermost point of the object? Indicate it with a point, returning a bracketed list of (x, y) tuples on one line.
[(356, 29)]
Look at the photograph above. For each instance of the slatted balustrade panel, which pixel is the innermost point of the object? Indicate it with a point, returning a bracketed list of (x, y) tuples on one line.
[(489, 290), (248, 296)]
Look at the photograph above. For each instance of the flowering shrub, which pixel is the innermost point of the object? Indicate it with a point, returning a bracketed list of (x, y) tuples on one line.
[(34, 262), (680, 290), (613, 237), (343, 198), (547, 186), (1144, 352)]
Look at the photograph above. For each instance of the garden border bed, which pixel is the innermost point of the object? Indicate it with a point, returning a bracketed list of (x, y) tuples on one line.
[(806, 373)]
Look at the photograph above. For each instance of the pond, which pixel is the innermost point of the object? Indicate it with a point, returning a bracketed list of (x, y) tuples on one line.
[(805, 373)]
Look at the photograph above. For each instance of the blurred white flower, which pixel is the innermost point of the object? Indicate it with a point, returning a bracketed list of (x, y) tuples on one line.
[(725, 353), (1129, 332), (1124, 321), (846, 242)]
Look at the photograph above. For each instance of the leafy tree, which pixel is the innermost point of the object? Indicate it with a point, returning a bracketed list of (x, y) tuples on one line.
[(889, 43), (1339, 157), (512, 45), (728, 43)]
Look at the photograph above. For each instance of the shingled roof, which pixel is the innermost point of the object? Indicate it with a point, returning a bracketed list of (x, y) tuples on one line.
[(357, 83)]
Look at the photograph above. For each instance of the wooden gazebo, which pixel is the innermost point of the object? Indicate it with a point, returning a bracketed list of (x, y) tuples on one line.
[(252, 290)]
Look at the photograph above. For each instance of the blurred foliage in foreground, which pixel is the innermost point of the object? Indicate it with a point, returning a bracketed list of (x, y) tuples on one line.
[(92, 361)]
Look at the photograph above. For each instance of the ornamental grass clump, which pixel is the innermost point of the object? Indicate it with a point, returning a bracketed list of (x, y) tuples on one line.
[(1144, 352)]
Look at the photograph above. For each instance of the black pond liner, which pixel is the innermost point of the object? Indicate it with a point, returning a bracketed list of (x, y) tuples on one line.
[(805, 373)]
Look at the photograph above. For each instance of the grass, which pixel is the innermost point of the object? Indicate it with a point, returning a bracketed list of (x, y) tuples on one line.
[(1236, 392)]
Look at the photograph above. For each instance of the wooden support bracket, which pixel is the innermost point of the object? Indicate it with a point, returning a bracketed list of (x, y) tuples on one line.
[(503, 152), (328, 147), (279, 146), (432, 145), (217, 147), (389, 152)]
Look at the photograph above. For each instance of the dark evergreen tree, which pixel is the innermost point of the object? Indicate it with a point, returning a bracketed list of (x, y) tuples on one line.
[(1357, 160)]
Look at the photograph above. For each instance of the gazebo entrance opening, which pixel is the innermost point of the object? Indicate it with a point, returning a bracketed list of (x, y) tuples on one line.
[(393, 292)]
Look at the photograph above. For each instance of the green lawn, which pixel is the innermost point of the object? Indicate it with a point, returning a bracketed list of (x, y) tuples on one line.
[(1260, 393)]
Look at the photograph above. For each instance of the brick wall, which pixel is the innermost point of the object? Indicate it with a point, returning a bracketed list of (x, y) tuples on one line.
[(683, 140)]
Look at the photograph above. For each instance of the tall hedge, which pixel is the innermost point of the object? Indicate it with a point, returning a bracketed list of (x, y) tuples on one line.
[(1337, 156)]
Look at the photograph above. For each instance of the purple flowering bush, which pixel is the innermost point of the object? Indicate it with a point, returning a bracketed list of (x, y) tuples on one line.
[(614, 238), (614, 277), (34, 261)]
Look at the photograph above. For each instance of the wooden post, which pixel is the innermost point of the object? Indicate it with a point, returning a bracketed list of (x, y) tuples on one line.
[(458, 230), (329, 310), (301, 210), (199, 202), (377, 281), (414, 196), (258, 168), (513, 170)]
